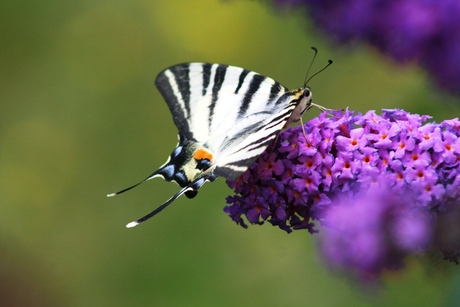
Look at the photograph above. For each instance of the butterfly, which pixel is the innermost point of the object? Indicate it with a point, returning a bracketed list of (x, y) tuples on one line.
[(226, 117)]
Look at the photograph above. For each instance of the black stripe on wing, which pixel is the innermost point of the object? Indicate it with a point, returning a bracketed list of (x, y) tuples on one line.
[(241, 78), (254, 85), (276, 89), (219, 78), (178, 106), (206, 77), (182, 77)]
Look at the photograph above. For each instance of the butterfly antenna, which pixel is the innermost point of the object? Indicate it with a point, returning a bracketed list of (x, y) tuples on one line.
[(329, 62), (309, 67), (193, 186)]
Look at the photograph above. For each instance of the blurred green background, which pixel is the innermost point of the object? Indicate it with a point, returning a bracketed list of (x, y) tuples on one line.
[(81, 118)]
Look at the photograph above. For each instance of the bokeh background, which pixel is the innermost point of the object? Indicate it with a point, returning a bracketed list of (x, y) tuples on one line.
[(81, 118)]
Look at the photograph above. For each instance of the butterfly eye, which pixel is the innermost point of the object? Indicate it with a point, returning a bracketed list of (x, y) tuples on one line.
[(306, 92)]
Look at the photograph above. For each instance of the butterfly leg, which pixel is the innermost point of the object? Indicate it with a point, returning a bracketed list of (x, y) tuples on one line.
[(303, 128), (323, 109)]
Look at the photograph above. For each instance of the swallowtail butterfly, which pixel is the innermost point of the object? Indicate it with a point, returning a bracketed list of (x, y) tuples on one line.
[(226, 117)]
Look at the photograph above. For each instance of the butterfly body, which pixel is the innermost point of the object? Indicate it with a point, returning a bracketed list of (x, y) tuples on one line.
[(226, 117)]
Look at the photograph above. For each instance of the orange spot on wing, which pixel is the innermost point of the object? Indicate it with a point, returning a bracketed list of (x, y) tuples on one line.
[(201, 154)]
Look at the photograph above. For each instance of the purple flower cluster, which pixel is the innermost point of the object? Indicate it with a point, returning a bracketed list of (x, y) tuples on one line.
[(383, 187), (374, 230), (427, 31)]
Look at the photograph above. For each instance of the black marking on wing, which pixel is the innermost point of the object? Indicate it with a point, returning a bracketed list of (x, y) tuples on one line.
[(283, 99), (260, 142), (232, 170), (275, 90), (206, 77), (164, 86), (258, 126), (253, 87), (219, 78), (182, 77), (236, 138), (243, 75), (282, 117), (230, 173)]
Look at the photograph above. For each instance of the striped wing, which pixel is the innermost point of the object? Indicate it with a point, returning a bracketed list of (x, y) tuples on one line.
[(234, 112)]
